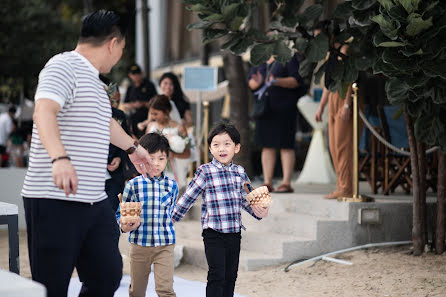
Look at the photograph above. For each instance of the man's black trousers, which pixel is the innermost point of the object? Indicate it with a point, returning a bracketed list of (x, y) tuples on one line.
[(63, 235)]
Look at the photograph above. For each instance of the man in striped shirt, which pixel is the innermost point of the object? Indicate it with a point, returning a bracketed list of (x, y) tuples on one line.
[(220, 183), (69, 221)]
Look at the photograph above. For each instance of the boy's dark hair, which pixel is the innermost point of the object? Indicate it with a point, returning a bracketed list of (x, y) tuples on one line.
[(154, 142), (160, 102), (224, 128), (101, 26)]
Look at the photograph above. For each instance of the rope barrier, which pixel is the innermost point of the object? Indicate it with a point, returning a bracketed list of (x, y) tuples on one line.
[(385, 142)]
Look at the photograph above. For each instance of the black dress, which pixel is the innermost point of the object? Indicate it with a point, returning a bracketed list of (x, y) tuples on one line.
[(277, 128)]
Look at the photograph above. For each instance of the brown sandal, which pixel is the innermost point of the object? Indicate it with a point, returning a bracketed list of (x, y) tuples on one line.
[(269, 186), (283, 188)]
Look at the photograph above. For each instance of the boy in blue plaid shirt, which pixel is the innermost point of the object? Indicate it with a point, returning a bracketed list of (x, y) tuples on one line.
[(221, 185), (152, 240)]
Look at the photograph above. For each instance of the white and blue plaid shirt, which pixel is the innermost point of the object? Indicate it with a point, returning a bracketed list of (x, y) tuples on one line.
[(223, 197), (158, 196)]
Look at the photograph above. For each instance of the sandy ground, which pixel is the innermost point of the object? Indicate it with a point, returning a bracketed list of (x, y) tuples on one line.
[(391, 271)]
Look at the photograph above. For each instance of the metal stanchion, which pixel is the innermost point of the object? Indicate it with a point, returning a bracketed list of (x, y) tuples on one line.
[(356, 197), (206, 131)]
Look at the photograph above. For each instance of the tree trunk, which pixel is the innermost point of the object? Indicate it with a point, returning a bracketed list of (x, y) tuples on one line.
[(422, 188), (238, 91), (417, 227), (441, 204)]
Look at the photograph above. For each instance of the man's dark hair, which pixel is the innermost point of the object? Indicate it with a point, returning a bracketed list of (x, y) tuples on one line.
[(224, 128), (160, 102), (154, 142), (101, 26), (12, 109)]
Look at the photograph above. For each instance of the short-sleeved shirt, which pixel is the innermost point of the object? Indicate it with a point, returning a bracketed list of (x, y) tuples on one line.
[(144, 92), (84, 124), (158, 196), (282, 99), (223, 196)]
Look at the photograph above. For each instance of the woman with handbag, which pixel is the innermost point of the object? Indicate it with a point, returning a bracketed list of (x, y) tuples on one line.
[(277, 88)]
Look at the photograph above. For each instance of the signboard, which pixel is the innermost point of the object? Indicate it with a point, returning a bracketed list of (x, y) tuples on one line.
[(200, 78)]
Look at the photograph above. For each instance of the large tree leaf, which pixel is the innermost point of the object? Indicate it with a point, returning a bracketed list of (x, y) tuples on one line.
[(306, 68), (234, 38), (311, 13), (301, 44), (350, 71), (380, 40), (241, 46), (428, 128), (363, 63), (410, 5), (387, 4), (397, 91), (229, 11), (199, 25), (317, 48), (338, 71), (398, 61), (409, 52), (435, 68), (215, 17), (343, 10), (389, 27), (363, 18), (318, 74), (437, 94), (282, 53), (212, 34), (363, 4), (236, 23), (398, 13), (261, 53), (417, 24)]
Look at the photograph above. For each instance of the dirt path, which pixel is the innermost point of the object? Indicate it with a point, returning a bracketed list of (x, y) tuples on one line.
[(375, 272)]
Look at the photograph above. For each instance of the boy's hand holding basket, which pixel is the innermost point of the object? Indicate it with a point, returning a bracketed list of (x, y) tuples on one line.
[(130, 214), (259, 199)]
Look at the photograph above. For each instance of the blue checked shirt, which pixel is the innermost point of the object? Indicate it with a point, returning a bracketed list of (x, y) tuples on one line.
[(223, 197), (158, 196)]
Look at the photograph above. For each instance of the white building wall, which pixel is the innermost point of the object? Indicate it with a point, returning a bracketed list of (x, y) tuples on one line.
[(157, 32)]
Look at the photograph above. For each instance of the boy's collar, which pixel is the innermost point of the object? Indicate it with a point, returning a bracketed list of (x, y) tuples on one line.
[(156, 178), (220, 165)]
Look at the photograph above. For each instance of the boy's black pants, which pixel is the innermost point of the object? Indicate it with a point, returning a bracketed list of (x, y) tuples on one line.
[(222, 253), (63, 235)]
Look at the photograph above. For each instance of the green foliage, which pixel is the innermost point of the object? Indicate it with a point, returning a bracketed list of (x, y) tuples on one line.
[(404, 40), (413, 56)]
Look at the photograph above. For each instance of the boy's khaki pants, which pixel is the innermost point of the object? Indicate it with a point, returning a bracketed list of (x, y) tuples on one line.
[(141, 258)]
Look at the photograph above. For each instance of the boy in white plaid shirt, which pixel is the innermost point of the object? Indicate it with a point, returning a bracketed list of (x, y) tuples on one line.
[(152, 241)]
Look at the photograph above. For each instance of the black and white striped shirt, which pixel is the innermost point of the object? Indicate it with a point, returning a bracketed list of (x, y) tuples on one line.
[(84, 124)]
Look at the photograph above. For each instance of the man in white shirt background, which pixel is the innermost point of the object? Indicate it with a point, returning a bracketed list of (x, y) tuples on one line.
[(5, 129)]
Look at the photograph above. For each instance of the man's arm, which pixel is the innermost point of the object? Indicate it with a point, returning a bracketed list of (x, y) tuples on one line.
[(140, 157), (45, 117)]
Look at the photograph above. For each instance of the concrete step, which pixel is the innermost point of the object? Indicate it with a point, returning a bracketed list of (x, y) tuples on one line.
[(295, 224), (193, 254), (310, 204), (254, 240)]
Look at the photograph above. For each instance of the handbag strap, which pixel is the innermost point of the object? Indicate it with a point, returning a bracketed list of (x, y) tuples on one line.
[(269, 70)]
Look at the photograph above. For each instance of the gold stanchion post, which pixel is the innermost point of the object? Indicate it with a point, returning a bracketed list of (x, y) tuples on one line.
[(355, 182), (206, 131)]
